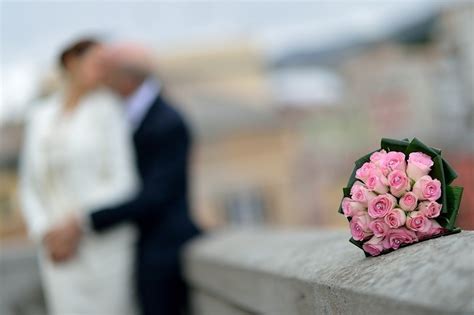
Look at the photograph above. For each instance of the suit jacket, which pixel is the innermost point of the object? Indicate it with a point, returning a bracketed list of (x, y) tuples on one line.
[(161, 208)]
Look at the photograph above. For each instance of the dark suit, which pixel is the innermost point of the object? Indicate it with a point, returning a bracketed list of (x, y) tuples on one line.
[(160, 209)]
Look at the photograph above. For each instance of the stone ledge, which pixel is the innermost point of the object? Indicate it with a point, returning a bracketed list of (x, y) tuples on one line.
[(286, 272)]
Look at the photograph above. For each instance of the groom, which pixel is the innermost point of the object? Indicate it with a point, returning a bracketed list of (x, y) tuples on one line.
[(160, 210)]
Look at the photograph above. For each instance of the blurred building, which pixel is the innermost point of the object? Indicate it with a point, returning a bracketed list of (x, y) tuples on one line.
[(244, 148), (414, 81), (11, 223), (276, 138)]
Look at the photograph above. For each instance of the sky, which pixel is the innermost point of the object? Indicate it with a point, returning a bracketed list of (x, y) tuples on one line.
[(32, 32)]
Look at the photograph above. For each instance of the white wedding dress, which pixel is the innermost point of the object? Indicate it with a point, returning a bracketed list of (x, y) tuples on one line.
[(81, 161)]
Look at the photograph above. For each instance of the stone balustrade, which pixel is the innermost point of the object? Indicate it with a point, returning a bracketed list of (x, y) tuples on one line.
[(290, 272)]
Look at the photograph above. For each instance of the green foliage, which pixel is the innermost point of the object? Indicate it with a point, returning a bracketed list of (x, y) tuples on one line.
[(394, 145), (453, 197)]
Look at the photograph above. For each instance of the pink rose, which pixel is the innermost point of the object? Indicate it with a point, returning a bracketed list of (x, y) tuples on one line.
[(381, 205), (398, 182), (351, 207), (435, 229), (419, 164), (377, 182), (395, 161), (364, 171), (416, 221), (360, 226), (427, 188), (378, 157), (379, 227), (360, 193), (408, 201), (397, 237), (373, 246), (430, 209), (395, 218)]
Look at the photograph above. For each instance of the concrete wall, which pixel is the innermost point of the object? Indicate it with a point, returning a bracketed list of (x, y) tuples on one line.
[(319, 272), (20, 284)]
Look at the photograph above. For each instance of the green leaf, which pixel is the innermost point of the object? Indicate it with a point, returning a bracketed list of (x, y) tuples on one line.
[(364, 159), (352, 177), (438, 172), (356, 243), (443, 221), (418, 146), (453, 196), (346, 191), (394, 145), (449, 173)]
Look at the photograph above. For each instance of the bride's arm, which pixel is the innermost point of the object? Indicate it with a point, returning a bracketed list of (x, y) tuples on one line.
[(118, 167)]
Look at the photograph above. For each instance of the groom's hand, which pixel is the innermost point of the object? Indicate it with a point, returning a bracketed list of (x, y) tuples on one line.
[(62, 240)]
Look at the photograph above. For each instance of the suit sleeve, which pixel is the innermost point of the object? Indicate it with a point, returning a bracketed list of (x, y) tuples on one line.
[(163, 182)]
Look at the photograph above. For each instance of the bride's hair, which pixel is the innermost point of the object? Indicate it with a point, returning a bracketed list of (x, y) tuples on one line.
[(76, 49)]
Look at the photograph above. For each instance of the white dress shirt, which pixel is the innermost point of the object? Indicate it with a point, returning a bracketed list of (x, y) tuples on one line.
[(138, 104)]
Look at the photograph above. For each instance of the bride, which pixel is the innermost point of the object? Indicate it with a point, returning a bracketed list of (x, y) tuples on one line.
[(77, 155)]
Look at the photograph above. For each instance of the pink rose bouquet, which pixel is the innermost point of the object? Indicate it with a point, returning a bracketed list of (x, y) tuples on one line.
[(400, 195)]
